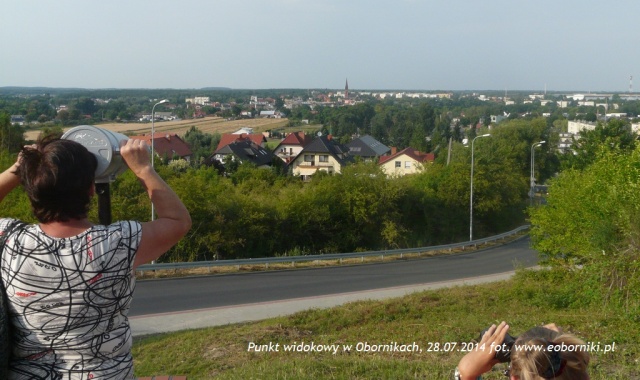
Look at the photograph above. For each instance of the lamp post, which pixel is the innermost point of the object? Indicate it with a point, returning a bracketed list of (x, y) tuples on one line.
[(532, 178), (471, 190), (153, 131)]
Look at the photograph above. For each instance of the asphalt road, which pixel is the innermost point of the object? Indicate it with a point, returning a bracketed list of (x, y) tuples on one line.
[(204, 292)]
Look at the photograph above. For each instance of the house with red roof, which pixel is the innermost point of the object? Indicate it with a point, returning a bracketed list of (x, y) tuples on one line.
[(167, 145), (291, 146), (406, 161)]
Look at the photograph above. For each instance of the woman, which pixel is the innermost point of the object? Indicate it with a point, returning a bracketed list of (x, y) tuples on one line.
[(69, 282), (540, 353)]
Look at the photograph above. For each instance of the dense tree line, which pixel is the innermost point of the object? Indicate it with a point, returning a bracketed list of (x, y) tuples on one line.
[(41, 104)]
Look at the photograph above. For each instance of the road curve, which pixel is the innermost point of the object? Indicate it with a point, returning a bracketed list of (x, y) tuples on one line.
[(166, 296)]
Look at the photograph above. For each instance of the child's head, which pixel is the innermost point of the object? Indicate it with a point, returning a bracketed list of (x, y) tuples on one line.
[(542, 353)]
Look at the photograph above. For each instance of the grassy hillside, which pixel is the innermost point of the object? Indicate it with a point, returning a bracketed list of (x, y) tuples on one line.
[(435, 320)]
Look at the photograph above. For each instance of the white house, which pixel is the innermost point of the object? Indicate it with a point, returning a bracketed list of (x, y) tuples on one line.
[(576, 127), (243, 130), (322, 154), (291, 146), (407, 161), (498, 118)]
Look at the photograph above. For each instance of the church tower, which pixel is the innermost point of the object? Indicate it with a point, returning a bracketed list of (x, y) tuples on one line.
[(346, 89)]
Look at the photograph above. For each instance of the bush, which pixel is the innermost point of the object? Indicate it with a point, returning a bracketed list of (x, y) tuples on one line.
[(592, 221)]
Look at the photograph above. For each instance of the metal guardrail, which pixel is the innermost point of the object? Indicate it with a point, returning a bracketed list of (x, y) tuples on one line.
[(328, 256)]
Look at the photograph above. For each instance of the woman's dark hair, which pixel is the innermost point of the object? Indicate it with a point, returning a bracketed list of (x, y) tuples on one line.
[(57, 176)]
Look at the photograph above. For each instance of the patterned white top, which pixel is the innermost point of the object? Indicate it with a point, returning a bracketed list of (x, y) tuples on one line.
[(68, 301)]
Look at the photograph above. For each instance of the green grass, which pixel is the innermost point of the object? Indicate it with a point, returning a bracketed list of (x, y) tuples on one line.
[(449, 315)]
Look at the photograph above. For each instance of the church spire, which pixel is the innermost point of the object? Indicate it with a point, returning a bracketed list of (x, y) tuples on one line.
[(346, 89)]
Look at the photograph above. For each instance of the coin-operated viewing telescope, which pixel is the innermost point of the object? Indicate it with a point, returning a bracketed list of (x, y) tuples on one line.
[(105, 145)]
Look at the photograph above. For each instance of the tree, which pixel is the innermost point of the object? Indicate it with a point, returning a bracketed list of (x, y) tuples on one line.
[(512, 140), (591, 116), (236, 110), (74, 115), (202, 144), (63, 116), (592, 221), (615, 135), (279, 104), (369, 202), (86, 106), (11, 136)]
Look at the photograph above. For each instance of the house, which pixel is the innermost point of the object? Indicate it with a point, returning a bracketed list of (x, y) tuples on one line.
[(407, 161), (576, 127), (565, 143), (245, 130), (228, 138), (261, 102), (18, 119), (199, 100), (271, 114), (244, 151), (367, 148), (498, 118), (322, 154), (291, 146), (167, 145), (160, 116)]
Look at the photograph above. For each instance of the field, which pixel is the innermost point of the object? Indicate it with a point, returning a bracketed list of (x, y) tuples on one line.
[(180, 127)]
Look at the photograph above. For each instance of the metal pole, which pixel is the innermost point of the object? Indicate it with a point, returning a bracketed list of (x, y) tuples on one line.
[(471, 189), (153, 131), (532, 177), (104, 203)]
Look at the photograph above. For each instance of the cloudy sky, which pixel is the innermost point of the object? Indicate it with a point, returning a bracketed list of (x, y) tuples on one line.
[(507, 45)]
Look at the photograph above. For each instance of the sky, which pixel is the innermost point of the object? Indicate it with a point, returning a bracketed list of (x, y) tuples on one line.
[(431, 45)]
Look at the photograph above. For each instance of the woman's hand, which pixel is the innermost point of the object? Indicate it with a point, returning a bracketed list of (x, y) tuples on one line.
[(10, 178), (16, 165), (136, 154), (483, 358)]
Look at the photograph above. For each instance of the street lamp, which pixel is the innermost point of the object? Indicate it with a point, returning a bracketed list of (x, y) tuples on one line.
[(532, 178), (153, 131), (471, 192)]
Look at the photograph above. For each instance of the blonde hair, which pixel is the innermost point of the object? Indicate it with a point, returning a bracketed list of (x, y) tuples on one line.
[(564, 357)]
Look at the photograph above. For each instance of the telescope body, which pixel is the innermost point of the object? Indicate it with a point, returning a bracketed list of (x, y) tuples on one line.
[(105, 145)]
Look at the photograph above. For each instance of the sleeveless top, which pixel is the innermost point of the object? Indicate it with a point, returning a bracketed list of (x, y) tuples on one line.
[(68, 301)]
